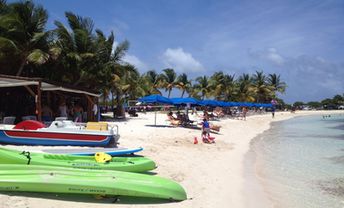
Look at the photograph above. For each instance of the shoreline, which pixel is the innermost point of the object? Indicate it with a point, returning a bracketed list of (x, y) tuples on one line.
[(261, 193), (212, 174)]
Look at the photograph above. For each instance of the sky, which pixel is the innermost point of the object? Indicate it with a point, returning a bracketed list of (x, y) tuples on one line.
[(302, 40)]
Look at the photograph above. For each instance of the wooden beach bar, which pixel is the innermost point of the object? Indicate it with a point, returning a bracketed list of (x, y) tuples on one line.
[(23, 96)]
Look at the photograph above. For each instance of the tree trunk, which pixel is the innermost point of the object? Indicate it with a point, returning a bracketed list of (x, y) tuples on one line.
[(119, 107), (183, 93), (113, 105), (21, 67), (169, 93)]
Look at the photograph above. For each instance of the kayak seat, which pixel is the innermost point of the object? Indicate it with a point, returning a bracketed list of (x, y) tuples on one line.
[(99, 126), (29, 125), (102, 157)]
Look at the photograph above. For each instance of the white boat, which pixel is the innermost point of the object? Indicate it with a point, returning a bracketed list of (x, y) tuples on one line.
[(60, 133)]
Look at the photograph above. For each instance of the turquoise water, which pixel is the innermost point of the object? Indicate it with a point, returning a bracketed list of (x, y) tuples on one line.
[(300, 162)]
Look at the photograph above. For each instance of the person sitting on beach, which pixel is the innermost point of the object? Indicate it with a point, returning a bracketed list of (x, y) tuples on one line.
[(172, 119), (218, 112)]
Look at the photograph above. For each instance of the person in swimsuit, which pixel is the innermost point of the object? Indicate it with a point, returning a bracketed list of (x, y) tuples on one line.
[(205, 131)]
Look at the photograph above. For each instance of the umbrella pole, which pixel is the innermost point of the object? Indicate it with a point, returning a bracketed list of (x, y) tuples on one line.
[(155, 119)]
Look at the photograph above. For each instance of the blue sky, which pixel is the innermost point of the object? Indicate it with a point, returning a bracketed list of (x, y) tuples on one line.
[(300, 40)]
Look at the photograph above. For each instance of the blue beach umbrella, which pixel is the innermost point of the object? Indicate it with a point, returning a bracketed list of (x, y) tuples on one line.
[(155, 99), (212, 103), (180, 101)]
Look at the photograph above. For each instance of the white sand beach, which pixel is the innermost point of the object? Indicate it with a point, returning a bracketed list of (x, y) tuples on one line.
[(212, 174)]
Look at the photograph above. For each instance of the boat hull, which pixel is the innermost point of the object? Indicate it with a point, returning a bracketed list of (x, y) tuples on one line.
[(22, 137)]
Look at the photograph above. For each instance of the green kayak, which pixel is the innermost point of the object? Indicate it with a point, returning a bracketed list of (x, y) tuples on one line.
[(49, 179), (128, 164)]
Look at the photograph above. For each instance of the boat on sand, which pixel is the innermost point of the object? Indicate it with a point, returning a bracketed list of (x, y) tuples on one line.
[(59, 133)]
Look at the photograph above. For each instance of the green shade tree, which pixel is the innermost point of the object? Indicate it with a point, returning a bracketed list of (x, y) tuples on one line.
[(274, 81), (202, 87), (168, 80), (263, 92), (244, 89), (23, 37), (151, 82), (183, 83)]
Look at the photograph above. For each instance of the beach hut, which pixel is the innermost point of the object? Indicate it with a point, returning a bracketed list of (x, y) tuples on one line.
[(14, 89)]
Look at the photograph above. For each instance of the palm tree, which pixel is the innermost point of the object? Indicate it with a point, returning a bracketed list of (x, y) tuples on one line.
[(274, 81), (217, 85), (151, 81), (203, 86), (262, 90), (169, 80), (133, 81), (125, 85), (244, 90), (77, 48), (230, 87), (23, 35), (222, 86), (183, 83)]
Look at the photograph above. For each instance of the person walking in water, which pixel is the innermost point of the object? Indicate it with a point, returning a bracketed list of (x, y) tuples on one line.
[(273, 108)]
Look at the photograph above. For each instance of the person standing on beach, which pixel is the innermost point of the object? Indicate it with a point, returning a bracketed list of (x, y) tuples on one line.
[(244, 112), (205, 131), (273, 108), (273, 111), (63, 109), (77, 112), (95, 111)]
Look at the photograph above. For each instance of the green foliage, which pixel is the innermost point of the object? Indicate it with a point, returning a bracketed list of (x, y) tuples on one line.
[(298, 104), (81, 55), (23, 39), (314, 104), (168, 80)]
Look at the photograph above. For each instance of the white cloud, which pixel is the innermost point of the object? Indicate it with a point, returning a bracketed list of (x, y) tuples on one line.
[(181, 61), (310, 78), (270, 55), (134, 60)]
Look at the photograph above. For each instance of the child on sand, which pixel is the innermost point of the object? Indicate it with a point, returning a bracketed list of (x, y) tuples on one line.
[(206, 132), (206, 138)]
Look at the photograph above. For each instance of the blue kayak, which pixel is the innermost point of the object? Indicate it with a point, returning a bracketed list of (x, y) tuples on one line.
[(92, 151)]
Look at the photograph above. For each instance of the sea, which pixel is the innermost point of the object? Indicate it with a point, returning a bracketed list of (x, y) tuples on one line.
[(299, 162)]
